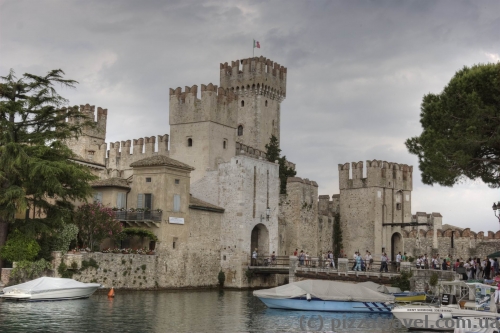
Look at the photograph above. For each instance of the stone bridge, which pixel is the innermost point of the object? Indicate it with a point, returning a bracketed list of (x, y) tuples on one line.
[(315, 269)]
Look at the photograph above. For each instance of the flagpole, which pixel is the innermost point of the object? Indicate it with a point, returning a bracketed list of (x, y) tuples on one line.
[(253, 49)]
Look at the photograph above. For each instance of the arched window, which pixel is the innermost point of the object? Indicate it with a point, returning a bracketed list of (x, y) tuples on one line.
[(190, 142), (240, 130), (266, 102), (242, 103)]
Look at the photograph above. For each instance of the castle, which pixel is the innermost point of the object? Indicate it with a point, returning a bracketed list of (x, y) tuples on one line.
[(211, 196)]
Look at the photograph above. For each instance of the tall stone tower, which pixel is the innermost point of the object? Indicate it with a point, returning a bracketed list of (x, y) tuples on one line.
[(90, 145), (372, 208), (244, 109), (260, 87)]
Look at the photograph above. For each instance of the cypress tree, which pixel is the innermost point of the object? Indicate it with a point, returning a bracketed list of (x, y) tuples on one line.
[(273, 152)]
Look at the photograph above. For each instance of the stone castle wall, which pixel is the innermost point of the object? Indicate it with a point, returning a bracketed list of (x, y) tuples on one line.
[(245, 187), (299, 218), (459, 244)]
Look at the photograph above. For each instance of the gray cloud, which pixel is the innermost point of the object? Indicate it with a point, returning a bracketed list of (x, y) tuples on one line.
[(357, 70)]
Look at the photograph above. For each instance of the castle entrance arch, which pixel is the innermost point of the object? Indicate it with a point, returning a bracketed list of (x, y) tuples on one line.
[(260, 240), (396, 245)]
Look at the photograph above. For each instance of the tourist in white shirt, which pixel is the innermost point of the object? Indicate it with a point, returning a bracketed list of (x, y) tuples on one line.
[(368, 263), (398, 262)]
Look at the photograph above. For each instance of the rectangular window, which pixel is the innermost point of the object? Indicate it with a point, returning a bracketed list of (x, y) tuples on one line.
[(98, 197), (140, 200), (398, 206), (148, 200), (177, 203), (177, 181), (121, 200), (148, 179)]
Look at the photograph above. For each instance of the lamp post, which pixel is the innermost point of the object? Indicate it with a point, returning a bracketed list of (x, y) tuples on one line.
[(496, 210)]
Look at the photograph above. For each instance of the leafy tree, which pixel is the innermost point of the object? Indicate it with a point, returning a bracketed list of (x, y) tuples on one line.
[(95, 223), (273, 152), (36, 170), (461, 129)]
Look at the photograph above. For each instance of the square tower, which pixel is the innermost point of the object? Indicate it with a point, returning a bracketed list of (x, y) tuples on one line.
[(259, 85)]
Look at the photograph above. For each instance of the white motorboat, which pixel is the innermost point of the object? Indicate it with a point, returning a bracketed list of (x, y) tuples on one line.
[(49, 289), (321, 295), (466, 306)]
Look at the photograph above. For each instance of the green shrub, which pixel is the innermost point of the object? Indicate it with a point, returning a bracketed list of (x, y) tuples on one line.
[(28, 270), (433, 281), (143, 267), (222, 278), (19, 247), (63, 271), (64, 238), (402, 281), (139, 232)]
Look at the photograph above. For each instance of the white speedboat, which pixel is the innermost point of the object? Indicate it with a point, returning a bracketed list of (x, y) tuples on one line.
[(467, 307), (321, 295), (49, 289)]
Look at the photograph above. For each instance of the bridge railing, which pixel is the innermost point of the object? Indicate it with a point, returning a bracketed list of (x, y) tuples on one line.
[(265, 260)]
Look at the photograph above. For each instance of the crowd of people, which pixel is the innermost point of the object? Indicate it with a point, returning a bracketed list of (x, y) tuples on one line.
[(472, 268)]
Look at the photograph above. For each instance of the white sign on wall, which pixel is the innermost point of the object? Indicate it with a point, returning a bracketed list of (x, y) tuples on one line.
[(176, 220)]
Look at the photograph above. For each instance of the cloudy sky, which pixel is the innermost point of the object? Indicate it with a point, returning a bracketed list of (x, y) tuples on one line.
[(357, 71)]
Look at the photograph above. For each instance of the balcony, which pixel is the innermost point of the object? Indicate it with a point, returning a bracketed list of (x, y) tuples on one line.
[(138, 218)]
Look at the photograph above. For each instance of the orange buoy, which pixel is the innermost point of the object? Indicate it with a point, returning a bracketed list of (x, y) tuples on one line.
[(111, 292)]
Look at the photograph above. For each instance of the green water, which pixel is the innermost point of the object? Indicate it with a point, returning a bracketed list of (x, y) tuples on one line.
[(163, 311)]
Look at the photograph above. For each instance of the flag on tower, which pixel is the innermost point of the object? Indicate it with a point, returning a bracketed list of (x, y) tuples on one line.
[(256, 44)]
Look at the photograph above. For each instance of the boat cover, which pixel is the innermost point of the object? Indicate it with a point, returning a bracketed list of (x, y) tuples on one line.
[(375, 286), (326, 290), (45, 284), (393, 290)]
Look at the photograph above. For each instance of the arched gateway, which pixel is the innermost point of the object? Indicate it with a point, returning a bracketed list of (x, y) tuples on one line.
[(260, 240), (396, 245)]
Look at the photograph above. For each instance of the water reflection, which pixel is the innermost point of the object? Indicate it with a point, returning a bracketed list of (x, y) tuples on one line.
[(152, 311)]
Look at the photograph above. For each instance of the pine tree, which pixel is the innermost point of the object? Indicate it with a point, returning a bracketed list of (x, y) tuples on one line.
[(36, 170), (273, 154)]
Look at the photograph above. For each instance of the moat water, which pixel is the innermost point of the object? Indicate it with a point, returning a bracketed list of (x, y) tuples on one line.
[(176, 311)]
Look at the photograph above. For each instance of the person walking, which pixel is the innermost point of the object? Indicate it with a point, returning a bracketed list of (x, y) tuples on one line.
[(496, 297), (301, 258), (495, 266), (398, 262), (254, 257), (354, 257), (487, 270), (383, 263), (367, 261), (358, 263), (444, 266)]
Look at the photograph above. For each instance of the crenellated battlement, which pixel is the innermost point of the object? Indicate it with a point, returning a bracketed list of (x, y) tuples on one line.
[(465, 233), (378, 173), (119, 155), (99, 131), (90, 145), (258, 75), (216, 104), (242, 149)]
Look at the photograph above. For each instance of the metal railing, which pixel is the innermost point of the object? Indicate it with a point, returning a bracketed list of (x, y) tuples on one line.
[(138, 216)]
